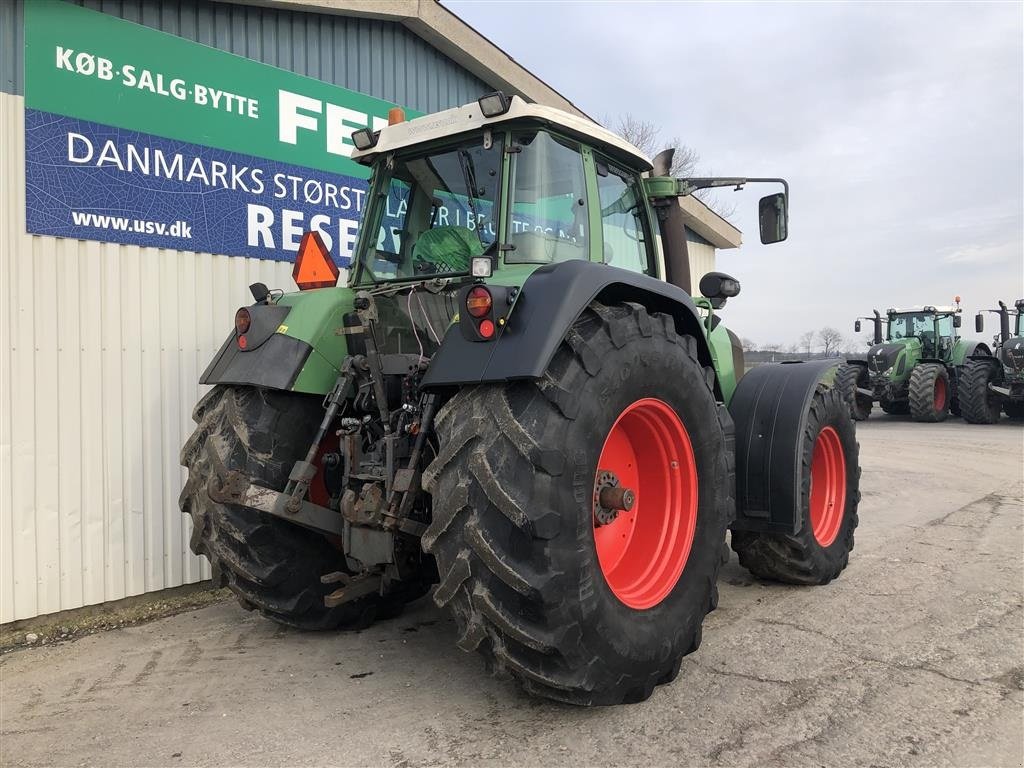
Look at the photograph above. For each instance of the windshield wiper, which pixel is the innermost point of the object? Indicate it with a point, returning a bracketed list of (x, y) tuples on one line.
[(469, 176)]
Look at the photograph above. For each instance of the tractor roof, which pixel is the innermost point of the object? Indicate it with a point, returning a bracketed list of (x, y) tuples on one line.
[(467, 118), (937, 309)]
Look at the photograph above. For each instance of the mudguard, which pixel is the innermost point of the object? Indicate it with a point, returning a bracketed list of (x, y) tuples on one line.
[(769, 409), (550, 301)]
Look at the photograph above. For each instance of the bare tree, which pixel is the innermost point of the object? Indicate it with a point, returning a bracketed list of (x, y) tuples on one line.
[(831, 340), (807, 341), (749, 345), (645, 136)]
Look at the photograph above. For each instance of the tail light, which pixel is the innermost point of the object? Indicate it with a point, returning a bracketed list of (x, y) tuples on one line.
[(243, 321), (483, 310), (479, 302)]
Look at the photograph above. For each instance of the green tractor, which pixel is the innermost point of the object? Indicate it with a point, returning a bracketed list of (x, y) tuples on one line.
[(915, 368), (992, 384), (516, 398)]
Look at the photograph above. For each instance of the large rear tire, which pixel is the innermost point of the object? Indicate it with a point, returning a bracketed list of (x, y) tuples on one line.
[(929, 393), (848, 378), (830, 494), (271, 565), (524, 570), (978, 403)]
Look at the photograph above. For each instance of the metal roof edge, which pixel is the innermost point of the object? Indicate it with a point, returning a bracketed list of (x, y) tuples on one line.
[(449, 34)]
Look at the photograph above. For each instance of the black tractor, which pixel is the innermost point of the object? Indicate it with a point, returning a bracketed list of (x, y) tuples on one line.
[(993, 384)]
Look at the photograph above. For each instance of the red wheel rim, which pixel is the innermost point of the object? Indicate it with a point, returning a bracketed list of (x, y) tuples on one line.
[(940, 393), (828, 486), (643, 551)]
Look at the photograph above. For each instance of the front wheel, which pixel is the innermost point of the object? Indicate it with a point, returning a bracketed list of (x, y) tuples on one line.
[(929, 392), (830, 494), (579, 519), (848, 379), (979, 404)]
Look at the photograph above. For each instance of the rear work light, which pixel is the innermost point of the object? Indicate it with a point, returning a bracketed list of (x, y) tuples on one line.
[(494, 104)]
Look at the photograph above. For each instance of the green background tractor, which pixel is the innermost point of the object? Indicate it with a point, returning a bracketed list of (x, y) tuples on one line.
[(916, 368), (991, 384), (516, 399)]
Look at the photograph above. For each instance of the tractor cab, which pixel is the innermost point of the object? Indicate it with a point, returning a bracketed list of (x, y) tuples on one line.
[(504, 187), (934, 328)]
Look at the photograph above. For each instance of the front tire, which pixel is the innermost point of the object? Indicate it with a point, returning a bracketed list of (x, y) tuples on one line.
[(830, 494), (848, 378), (978, 403), (514, 512), (929, 392)]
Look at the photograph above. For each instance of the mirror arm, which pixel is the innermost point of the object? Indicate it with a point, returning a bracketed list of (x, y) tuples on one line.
[(686, 187)]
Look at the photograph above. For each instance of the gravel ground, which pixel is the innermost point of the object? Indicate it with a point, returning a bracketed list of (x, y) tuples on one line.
[(914, 657)]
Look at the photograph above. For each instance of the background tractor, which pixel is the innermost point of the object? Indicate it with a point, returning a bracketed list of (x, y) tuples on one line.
[(915, 369), (991, 384), (517, 399)]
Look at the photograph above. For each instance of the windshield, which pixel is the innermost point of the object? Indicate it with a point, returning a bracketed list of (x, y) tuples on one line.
[(437, 212), (905, 326), (919, 324)]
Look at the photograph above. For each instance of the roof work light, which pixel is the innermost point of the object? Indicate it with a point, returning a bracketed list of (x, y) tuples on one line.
[(494, 104)]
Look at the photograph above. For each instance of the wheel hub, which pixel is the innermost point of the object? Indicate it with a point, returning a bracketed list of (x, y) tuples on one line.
[(610, 498)]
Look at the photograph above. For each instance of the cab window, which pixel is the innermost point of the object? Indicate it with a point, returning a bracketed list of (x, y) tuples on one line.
[(549, 201), (624, 238)]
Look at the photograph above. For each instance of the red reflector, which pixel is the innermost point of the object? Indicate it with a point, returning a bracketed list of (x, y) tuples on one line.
[(314, 267), (242, 342), (486, 329), (242, 321), (478, 303)]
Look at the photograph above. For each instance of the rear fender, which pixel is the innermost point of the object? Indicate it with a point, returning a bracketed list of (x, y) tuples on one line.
[(550, 301), (964, 349), (770, 409), (300, 346)]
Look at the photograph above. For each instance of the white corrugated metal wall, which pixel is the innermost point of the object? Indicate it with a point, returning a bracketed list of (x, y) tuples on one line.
[(102, 346), (702, 261)]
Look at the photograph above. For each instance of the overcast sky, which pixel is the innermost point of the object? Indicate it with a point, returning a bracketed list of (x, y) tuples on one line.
[(900, 128)]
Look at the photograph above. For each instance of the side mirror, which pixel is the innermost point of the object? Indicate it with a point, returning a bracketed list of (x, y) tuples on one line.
[(716, 287), (979, 322), (773, 214), (856, 327), (957, 321)]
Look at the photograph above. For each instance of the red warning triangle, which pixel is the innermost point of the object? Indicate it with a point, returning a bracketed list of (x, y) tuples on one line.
[(314, 267)]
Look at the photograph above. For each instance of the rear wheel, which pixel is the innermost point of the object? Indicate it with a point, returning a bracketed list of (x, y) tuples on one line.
[(271, 565), (929, 392), (848, 378), (579, 519), (978, 403), (830, 494)]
